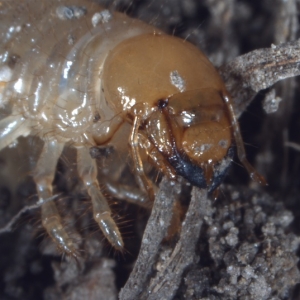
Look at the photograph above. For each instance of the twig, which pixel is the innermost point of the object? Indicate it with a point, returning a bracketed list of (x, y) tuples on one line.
[(167, 281), (155, 231), (9, 225), (292, 145), (250, 73)]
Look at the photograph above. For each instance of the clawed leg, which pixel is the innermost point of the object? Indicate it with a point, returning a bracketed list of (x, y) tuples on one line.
[(240, 144), (130, 194), (159, 161), (43, 177), (142, 180), (87, 170), (11, 128)]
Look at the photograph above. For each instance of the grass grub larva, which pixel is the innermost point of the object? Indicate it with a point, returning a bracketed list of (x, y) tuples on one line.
[(83, 75)]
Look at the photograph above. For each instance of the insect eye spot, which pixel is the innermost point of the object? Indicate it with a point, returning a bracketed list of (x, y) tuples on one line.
[(223, 143), (162, 103)]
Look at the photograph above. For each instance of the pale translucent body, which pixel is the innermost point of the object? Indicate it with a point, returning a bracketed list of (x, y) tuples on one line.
[(51, 73)]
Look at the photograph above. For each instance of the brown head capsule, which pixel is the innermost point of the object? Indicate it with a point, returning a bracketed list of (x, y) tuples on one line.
[(178, 103)]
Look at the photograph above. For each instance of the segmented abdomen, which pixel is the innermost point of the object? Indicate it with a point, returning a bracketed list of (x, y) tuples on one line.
[(51, 59)]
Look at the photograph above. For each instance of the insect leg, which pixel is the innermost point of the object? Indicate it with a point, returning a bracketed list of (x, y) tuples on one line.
[(87, 169), (240, 144), (141, 177), (43, 177), (130, 194), (11, 128), (159, 161)]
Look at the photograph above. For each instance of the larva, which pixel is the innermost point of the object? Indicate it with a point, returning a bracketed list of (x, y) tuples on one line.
[(76, 75)]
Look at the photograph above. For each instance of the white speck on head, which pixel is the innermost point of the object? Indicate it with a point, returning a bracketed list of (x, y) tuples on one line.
[(103, 17), (205, 147), (187, 117), (177, 81), (202, 148)]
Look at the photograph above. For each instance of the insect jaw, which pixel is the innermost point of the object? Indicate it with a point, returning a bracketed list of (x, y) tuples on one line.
[(197, 174), (166, 135), (187, 169)]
